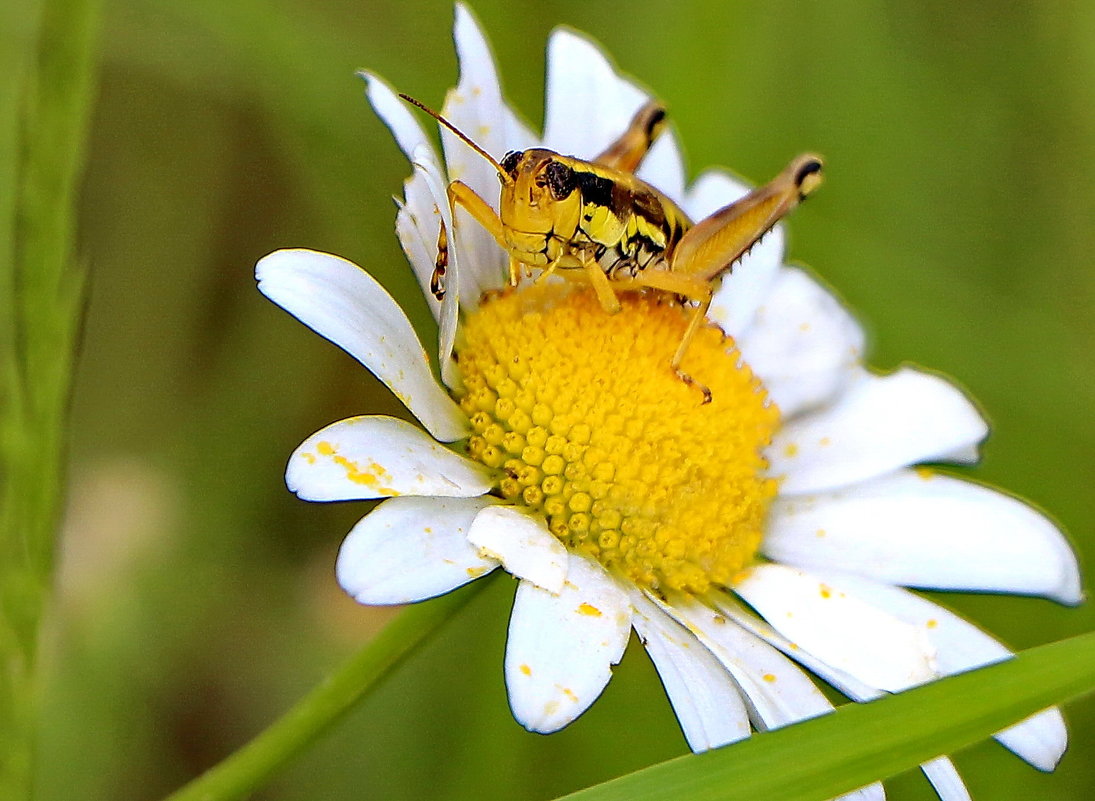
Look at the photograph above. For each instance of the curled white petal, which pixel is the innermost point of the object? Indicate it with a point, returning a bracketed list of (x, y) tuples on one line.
[(747, 285), (522, 543), (880, 424), (838, 628), (343, 303), (960, 646), (803, 343), (562, 646), (380, 457), (922, 529), (705, 698), (410, 549)]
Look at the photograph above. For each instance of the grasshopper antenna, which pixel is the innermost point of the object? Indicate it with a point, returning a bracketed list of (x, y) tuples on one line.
[(463, 137)]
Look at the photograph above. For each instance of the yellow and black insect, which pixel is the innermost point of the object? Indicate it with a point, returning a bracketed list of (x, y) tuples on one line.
[(559, 212)]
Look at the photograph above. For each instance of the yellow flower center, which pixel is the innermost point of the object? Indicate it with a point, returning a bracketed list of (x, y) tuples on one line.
[(587, 424)]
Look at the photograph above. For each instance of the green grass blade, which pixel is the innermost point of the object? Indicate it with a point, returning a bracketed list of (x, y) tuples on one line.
[(862, 743), (45, 92)]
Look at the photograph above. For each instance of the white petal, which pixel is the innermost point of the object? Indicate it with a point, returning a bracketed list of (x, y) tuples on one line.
[(926, 530), (746, 287), (561, 646), (379, 457), (410, 549), (588, 104), (872, 792), (705, 698), (523, 544), (663, 167), (803, 343), (838, 628), (945, 779), (476, 107), (396, 114), (1041, 739), (343, 303), (778, 693), (880, 424), (845, 682)]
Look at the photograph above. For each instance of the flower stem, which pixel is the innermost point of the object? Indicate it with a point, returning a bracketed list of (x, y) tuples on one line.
[(314, 714)]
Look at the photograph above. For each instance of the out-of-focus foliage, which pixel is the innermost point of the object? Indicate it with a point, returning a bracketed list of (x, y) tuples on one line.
[(196, 598)]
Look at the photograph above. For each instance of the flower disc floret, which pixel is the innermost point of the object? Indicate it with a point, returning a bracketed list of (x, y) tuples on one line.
[(587, 424)]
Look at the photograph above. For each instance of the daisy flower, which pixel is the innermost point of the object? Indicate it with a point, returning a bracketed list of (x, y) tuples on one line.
[(773, 529)]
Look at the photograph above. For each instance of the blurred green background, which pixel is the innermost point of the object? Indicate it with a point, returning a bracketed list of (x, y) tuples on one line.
[(196, 599)]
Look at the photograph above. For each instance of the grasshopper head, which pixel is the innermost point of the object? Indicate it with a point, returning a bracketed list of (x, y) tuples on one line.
[(537, 191)]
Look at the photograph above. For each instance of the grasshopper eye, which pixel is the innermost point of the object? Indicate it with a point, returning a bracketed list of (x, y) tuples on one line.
[(560, 179), (509, 162)]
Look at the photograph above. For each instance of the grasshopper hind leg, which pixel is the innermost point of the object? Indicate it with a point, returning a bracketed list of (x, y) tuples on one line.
[(627, 152), (699, 314)]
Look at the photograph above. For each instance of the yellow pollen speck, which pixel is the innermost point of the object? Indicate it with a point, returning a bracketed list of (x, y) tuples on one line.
[(569, 693), (476, 572), (769, 677), (310, 458), (826, 591), (374, 478), (586, 423), (589, 609), (526, 670), (932, 623), (821, 532), (925, 473), (790, 450), (325, 448), (824, 442)]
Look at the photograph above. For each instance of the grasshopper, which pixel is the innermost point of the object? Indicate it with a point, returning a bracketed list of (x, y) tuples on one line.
[(559, 212)]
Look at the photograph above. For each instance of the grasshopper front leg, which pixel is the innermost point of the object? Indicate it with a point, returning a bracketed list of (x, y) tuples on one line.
[(460, 194)]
